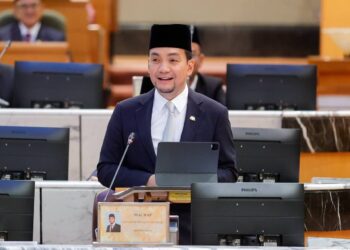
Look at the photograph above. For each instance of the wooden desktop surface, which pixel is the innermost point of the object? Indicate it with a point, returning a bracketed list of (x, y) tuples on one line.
[(41, 51), (324, 164), (333, 75)]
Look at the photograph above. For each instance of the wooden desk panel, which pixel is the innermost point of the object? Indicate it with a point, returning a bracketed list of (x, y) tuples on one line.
[(335, 164), (333, 75), (343, 234), (41, 51)]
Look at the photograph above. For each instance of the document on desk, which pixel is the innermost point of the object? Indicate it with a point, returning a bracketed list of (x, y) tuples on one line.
[(133, 222)]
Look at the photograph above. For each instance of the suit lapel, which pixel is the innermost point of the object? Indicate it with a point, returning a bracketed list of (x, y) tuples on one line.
[(193, 115), (15, 32), (143, 118), (41, 34)]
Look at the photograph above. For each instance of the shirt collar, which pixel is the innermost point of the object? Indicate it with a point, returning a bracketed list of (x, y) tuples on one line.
[(179, 101), (33, 31), (194, 82)]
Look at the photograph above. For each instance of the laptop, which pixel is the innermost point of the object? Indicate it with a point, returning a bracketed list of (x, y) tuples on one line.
[(180, 164)]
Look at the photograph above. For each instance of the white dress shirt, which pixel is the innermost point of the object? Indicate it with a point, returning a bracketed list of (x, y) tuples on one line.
[(160, 115), (32, 31), (194, 82)]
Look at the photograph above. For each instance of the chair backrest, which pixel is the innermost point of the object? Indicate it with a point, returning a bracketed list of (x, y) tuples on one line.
[(50, 18)]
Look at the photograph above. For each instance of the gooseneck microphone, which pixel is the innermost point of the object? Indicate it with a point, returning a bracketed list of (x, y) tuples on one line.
[(6, 47), (131, 139)]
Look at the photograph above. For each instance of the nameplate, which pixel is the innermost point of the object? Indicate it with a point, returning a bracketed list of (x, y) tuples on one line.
[(133, 223), (180, 196)]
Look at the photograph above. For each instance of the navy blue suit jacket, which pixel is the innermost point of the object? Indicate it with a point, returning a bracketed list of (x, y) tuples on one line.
[(46, 34), (212, 87), (134, 115)]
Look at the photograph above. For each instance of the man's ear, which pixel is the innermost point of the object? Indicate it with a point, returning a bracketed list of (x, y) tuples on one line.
[(190, 67)]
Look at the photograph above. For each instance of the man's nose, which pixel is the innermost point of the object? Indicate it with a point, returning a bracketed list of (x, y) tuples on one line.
[(164, 67)]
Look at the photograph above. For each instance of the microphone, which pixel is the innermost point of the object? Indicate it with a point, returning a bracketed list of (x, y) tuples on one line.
[(4, 103), (7, 46), (131, 139)]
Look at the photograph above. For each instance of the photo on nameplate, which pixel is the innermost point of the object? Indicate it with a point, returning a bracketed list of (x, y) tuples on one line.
[(133, 223), (112, 222)]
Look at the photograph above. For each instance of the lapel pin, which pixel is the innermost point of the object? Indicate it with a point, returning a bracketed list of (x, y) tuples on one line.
[(192, 118)]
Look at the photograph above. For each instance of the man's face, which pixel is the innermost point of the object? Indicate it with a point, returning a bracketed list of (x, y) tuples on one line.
[(28, 12), (111, 220), (198, 58), (169, 69)]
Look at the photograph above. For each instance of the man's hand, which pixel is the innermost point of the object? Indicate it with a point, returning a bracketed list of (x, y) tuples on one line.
[(151, 181)]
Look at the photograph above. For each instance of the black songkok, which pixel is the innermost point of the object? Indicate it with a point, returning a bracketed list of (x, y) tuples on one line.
[(195, 36), (170, 35)]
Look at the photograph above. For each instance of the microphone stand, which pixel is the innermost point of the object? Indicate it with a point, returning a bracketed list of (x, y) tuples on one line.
[(4, 103), (130, 140)]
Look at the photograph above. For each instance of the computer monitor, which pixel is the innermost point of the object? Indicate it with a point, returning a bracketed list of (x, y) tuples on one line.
[(267, 155), (253, 214), (271, 87), (16, 210), (34, 153), (58, 85)]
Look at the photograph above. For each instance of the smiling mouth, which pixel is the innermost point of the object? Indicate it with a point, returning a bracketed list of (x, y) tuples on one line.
[(165, 78)]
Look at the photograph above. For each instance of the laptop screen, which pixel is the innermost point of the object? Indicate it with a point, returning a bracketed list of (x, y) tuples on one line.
[(184, 163)]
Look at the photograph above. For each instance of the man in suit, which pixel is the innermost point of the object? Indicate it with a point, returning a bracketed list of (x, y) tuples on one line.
[(198, 118), (206, 85), (27, 26), (112, 227)]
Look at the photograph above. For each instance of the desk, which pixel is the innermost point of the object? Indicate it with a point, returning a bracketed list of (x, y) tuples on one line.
[(41, 51), (333, 75), (124, 67), (87, 130), (66, 207), (325, 142), (63, 211)]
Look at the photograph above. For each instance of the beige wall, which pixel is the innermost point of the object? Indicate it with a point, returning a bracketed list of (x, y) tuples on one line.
[(213, 12)]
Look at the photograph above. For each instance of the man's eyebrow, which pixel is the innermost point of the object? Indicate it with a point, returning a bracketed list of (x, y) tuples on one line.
[(174, 54), (154, 54)]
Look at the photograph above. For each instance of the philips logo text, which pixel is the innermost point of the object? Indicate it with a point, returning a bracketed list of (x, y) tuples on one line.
[(255, 190)]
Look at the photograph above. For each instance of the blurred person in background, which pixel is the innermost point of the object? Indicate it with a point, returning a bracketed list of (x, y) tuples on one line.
[(206, 85), (27, 25)]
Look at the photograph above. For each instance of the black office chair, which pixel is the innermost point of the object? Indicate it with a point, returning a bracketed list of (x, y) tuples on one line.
[(6, 83)]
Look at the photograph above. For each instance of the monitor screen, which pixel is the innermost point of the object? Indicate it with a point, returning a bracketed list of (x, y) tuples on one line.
[(34, 153), (58, 85), (271, 87), (247, 214), (267, 155), (16, 210)]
